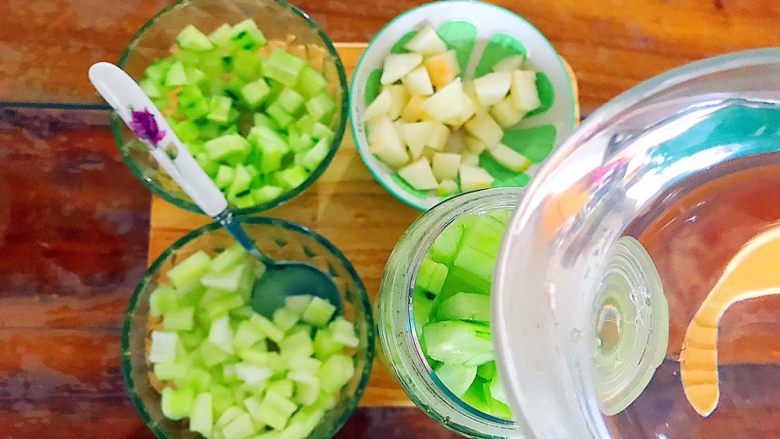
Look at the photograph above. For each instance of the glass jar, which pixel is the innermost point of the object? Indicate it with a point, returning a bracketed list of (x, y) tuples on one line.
[(396, 330)]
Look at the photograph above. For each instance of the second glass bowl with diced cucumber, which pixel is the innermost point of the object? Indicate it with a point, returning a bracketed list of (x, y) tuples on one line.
[(200, 360), (254, 89), (434, 313), (455, 96)]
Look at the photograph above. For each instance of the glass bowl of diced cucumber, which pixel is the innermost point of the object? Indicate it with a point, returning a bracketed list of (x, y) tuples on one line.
[(437, 283), (253, 88), (455, 96), (200, 361)]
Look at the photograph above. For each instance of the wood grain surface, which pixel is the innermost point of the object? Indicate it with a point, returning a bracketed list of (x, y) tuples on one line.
[(611, 44)]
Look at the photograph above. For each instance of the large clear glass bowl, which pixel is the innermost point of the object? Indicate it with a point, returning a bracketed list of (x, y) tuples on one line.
[(280, 22), (630, 165), (280, 240)]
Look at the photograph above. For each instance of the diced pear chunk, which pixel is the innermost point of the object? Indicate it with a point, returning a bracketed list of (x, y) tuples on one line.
[(438, 136), (416, 135), (418, 82), (384, 142), (426, 42), (445, 166), (419, 175), (492, 88), (484, 128), (469, 109), (442, 68), (469, 159), (446, 103), (399, 129), (413, 111), (524, 94), (456, 143), (473, 178), (510, 63), (509, 158), (446, 187), (399, 99), (380, 106), (506, 114), (397, 65), (474, 145)]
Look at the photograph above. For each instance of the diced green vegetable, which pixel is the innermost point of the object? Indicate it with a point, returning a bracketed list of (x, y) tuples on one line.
[(176, 403), (254, 93), (163, 299), (318, 312), (431, 276), (457, 343), (201, 416), (290, 101), (321, 107), (179, 319), (283, 67), (311, 82), (190, 38), (175, 75), (456, 377), (189, 270), (275, 410), (465, 306), (219, 108)]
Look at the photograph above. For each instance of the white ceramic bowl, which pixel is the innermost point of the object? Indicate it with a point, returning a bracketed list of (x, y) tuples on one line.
[(488, 20)]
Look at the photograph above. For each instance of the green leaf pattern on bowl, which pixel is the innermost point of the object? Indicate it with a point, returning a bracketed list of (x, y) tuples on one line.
[(534, 143)]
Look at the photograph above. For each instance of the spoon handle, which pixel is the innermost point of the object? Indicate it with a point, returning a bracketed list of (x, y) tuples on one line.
[(227, 220)]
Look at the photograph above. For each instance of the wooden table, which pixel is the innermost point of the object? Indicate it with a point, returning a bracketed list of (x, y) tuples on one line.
[(74, 222)]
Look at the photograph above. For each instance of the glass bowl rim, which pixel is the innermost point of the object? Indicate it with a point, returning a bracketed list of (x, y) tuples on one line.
[(116, 123), (364, 306)]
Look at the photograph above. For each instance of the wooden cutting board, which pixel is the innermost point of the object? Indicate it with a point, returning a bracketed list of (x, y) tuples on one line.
[(345, 205)]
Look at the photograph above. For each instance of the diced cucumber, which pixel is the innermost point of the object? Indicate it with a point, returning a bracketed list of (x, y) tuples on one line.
[(222, 399), (297, 303), (457, 342), (248, 35), (311, 82), (239, 428), (211, 354), (476, 268), (189, 270), (164, 347), (221, 335), (465, 306), (283, 67), (335, 372), (229, 279), (150, 87), (325, 345), (321, 107), (225, 176), (283, 388), (169, 371), (291, 101), (163, 299), (219, 108), (320, 131), (221, 305), (194, 75), (297, 345), (229, 416), (485, 235), (306, 124), (456, 377), (292, 177), (186, 57), (175, 75), (247, 65), (201, 416), (266, 194), (267, 327), (285, 319), (307, 365), (298, 141), (197, 379), (190, 38), (158, 70), (279, 115), (254, 93), (262, 119), (176, 403), (318, 312), (422, 306), (187, 131), (497, 390), (179, 319), (343, 332), (487, 371), (445, 246), (221, 35), (431, 276), (275, 410), (307, 387), (313, 157), (225, 146), (209, 166), (252, 374), (247, 335)]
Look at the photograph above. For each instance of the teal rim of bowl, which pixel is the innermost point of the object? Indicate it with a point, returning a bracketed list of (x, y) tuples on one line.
[(187, 204), (377, 174), (365, 307)]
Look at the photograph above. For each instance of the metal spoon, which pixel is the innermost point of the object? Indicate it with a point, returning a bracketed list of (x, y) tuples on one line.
[(281, 278)]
